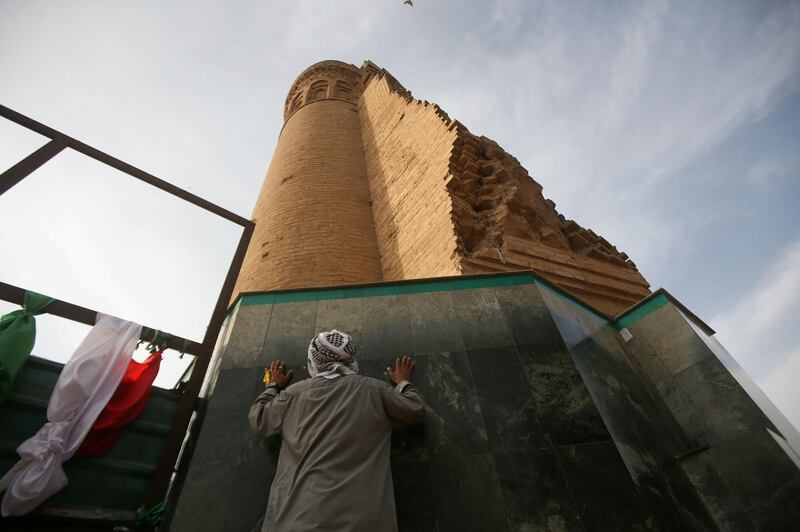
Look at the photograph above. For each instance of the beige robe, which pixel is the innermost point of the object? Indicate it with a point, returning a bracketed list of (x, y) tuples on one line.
[(333, 471)]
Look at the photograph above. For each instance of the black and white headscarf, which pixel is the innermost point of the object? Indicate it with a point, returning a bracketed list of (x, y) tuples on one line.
[(332, 354)]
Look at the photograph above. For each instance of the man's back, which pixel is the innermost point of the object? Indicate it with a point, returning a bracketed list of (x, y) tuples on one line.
[(333, 472)]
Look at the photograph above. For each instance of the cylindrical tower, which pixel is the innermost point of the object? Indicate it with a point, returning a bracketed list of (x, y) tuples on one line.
[(314, 223)]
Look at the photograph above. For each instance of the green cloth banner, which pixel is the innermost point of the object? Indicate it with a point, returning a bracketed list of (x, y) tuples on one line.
[(17, 335)]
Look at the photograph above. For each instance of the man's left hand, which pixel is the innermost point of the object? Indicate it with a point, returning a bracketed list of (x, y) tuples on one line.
[(278, 374)]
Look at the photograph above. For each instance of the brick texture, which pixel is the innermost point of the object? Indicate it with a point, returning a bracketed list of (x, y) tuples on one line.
[(407, 147), (503, 222), (368, 183), (313, 218)]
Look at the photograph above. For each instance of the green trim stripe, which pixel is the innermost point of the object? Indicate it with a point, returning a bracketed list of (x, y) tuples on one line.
[(445, 285), (571, 299), (386, 289), (641, 311)]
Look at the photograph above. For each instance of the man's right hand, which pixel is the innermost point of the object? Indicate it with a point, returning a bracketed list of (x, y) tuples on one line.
[(403, 367), (278, 374)]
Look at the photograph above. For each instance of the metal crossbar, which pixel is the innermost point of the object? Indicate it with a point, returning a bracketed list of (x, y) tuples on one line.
[(73, 312), (60, 141)]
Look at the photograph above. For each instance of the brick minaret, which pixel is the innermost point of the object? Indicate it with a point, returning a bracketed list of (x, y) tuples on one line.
[(313, 217), (368, 183)]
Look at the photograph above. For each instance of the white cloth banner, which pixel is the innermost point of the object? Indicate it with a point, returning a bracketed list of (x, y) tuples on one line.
[(85, 386)]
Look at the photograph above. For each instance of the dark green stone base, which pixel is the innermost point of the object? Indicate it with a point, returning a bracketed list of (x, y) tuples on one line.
[(541, 416)]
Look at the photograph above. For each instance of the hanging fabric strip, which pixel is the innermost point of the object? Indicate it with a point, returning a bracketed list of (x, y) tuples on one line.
[(17, 336), (127, 404), (84, 387)]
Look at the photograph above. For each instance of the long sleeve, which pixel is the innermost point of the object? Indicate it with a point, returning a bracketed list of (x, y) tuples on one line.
[(267, 411), (404, 403)]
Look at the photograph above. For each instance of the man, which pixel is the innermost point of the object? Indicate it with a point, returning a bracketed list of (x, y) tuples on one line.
[(333, 471)]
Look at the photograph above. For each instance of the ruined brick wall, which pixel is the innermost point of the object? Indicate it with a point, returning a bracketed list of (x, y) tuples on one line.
[(448, 202), (503, 222), (407, 145), (368, 183)]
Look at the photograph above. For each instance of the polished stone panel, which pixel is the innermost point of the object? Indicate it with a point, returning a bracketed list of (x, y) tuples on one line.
[(293, 319), (482, 323), (562, 399), (235, 390), (376, 367), (573, 321), (527, 315), (635, 418), (409, 443), (628, 409), (293, 350), (346, 315), (414, 498), (454, 424), (685, 412), (723, 505), (225, 416), (246, 334), (721, 406), (647, 358), (762, 477), (535, 491), (539, 418), (229, 459), (291, 328), (387, 327), (507, 403), (468, 495), (742, 476), (671, 494), (674, 343), (434, 324), (789, 432), (605, 496), (196, 498)]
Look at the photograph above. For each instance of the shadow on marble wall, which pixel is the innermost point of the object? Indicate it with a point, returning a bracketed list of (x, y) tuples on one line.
[(539, 417)]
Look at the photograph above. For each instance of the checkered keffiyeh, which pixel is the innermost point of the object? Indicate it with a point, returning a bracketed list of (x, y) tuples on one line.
[(332, 354)]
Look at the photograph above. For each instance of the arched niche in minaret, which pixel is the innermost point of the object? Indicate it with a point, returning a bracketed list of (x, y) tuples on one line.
[(324, 80)]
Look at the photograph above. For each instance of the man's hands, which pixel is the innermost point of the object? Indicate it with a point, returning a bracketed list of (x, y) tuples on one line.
[(279, 375), (403, 367)]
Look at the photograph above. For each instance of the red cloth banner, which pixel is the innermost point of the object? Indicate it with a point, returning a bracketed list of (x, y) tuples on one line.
[(127, 404)]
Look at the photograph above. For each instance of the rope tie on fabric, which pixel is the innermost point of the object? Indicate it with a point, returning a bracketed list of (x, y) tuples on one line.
[(49, 442), (17, 336), (86, 383), (158, 342)]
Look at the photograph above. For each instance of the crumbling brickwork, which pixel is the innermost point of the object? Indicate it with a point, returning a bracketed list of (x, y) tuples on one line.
[(407, 147), (503, 222), (368, 183)]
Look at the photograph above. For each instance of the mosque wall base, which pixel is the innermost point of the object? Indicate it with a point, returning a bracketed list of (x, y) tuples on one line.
[(541, 415)]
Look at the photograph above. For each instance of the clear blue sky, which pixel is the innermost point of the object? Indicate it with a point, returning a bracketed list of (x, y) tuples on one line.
[(671, 128)]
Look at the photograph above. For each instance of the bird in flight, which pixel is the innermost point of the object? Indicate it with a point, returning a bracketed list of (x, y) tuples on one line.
[(409, 3)]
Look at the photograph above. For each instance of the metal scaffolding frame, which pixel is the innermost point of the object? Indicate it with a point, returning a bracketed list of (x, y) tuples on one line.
[(202, 351)]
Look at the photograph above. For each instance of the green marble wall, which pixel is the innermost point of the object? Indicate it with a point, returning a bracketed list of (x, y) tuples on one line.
[(742, 454), (541, 418)]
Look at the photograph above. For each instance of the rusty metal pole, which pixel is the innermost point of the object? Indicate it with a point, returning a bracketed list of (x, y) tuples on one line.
[(167, 465), (29, 164)]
